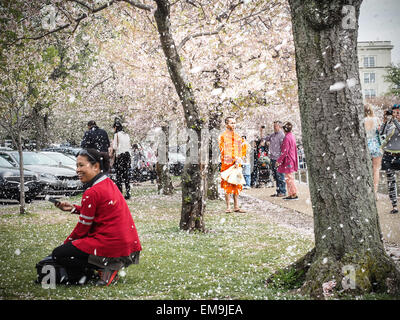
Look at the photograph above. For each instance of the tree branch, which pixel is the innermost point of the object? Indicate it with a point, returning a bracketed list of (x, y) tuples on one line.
[(200, 34), (84, 16), (104, 80), (138, 5)]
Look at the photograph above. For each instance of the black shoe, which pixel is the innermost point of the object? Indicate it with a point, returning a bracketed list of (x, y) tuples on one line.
[(127, 197), (394, 211), (291, 198)]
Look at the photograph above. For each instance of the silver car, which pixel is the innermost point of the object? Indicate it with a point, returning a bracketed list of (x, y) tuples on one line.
[(57, 179), (62, 159)]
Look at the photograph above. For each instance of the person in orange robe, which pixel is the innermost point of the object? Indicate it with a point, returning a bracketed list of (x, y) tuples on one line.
[(233, 149)]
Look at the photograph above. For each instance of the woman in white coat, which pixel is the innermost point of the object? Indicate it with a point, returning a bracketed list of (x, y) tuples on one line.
[(122, 164)]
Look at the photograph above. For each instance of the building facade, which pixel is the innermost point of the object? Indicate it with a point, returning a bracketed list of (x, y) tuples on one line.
[(374, 58)]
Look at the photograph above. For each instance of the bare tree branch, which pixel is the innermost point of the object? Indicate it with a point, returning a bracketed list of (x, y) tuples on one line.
[(200, 34), (138, 4)]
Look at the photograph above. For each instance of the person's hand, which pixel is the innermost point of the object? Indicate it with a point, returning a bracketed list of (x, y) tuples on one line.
[(64, 206), (277, 164)]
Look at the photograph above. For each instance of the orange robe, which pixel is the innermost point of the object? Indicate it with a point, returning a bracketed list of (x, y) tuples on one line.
[(232, 147)]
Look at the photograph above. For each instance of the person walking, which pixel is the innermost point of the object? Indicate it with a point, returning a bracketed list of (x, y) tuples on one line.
[(95, 138), (232, 151), (122, 149), (247, 165), (275, 142), (105, 237), (391, 152), (372, 126), (287, 162)]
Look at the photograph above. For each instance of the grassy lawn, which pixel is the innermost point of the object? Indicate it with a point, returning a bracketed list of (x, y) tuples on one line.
[(231, 261)]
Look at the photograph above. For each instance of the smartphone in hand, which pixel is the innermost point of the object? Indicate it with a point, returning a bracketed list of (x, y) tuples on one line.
[(53, 200)]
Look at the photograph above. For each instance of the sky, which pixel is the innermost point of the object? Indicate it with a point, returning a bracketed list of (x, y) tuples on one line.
[(380, 20)]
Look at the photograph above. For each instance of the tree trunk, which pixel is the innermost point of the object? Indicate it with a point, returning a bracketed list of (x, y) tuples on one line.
[(22, 209), (164, 182), (193, 199), (346, 225), (213, 166)]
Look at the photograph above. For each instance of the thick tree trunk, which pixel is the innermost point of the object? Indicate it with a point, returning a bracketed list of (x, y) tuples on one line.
[(346, 225), (193, 198)]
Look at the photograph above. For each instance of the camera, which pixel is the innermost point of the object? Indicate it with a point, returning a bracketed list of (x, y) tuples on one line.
[(388, 112)]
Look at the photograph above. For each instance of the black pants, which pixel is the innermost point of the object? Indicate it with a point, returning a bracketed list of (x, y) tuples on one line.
[(73, 260), (391, 164), (122, 165)]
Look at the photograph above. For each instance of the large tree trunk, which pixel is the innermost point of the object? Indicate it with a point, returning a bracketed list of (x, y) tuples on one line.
[(193, 198), (346, 225)]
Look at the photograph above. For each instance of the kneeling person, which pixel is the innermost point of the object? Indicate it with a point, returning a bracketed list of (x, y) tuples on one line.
[(105, 236)]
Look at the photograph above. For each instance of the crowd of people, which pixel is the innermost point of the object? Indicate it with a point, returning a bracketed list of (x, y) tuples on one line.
[(276, 153), (105, 238)]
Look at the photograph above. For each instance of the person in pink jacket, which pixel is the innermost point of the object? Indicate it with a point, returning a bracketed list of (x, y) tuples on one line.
[(287, 162)]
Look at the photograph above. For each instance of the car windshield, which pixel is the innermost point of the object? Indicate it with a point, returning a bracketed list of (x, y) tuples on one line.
[(33, 158), (5, 163), (59, 157)]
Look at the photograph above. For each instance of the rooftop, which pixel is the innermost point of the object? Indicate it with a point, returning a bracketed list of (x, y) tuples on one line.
[(375, 44)]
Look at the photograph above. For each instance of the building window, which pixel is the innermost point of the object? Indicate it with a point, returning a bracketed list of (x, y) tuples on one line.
[(369, 77), (369, 62), (369, 93)]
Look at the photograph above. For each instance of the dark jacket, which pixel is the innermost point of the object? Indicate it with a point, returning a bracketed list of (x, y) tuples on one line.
[(96, 138)]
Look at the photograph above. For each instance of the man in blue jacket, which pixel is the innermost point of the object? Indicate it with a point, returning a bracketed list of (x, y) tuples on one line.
[(95, 138)]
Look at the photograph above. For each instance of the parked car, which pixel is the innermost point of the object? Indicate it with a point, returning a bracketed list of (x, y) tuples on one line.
[(55, 178), (69, 151), (61, 159), (10, 182)]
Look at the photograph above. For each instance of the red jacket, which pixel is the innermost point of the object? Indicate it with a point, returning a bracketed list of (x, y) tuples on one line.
[(105, 226)]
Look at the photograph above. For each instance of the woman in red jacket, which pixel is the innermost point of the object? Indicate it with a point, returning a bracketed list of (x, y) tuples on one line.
[(105, 236)]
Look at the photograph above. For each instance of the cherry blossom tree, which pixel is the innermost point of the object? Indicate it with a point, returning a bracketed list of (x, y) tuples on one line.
[(23, 92), (222, 35), (349, 254)]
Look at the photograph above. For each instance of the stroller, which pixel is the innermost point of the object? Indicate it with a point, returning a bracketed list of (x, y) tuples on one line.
[(264, 170)]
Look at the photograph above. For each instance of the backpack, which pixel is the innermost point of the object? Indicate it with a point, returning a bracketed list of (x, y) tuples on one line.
[(49, 273)]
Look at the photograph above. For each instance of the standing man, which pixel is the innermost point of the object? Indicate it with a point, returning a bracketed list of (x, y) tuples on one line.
[(275, 142), (391, 155), (232, 151), (95, 138)]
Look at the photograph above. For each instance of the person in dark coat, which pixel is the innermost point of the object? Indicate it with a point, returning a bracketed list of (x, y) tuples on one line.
[(95, 138)]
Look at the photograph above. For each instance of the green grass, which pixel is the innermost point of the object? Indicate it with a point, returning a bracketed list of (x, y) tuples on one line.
[(231, 261)]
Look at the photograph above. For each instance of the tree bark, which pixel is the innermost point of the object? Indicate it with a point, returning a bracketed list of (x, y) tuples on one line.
[(22, 208), (164, 182), (193, 197), (346, 226), (214, 126)]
